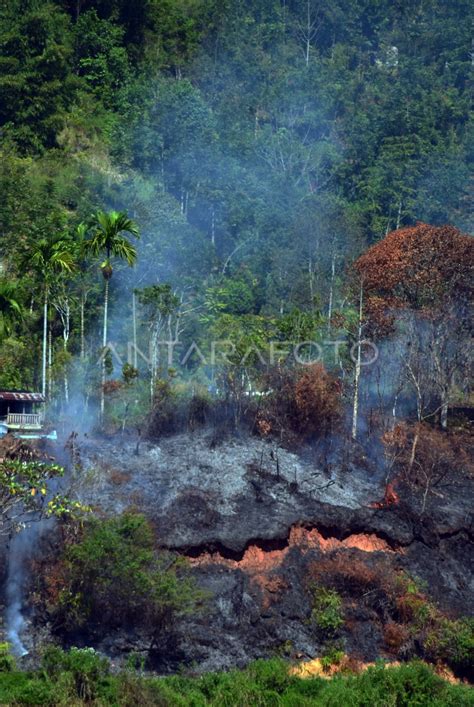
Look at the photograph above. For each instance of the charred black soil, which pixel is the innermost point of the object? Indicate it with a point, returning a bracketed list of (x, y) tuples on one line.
[(260, 536)]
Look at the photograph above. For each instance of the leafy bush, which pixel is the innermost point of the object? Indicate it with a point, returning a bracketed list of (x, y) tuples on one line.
[(305, 401), (395, 635), (113, 577), (332, 655), (25, 689), (327, 611), (453, 642), (164, 416), (178, 407), (414, 609), (7, 661), (87, 669), (410, 684), (270, 674), (317, 399)]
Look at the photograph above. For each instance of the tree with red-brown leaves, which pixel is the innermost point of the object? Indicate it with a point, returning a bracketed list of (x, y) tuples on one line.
[(317, 396), (417, 283), (421, 267), (305, 402)]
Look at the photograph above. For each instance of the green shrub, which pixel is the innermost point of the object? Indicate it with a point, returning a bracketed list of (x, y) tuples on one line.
[(7, 661), (453, 643), (113, 577), (332, 655), (408, 685), (327, 611), (270, 674), (25, 689), (87, 668)]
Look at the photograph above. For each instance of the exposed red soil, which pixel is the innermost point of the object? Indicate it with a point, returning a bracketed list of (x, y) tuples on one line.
[(261, 564)]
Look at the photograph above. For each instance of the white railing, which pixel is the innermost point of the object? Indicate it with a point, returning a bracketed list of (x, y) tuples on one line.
[(24, 419)]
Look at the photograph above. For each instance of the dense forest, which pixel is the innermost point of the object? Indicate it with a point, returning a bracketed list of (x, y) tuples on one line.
[(236, 262), (259, 148)]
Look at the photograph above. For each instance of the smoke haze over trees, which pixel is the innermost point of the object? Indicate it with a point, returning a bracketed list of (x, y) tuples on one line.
[(260, 146)]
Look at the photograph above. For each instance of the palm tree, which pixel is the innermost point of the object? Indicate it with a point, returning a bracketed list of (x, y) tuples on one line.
[(107, 238), (11, 311), (49, 256)]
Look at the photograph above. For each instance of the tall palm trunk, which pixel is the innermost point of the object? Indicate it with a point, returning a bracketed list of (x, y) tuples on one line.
[(45, 342), (104, 344), (50, 363)]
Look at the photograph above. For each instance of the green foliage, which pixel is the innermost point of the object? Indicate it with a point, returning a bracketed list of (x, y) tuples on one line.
[(243, 341), (158, 300), (251, 198), (87, 668), (129, 373), (7, 661), (234, 296), (101, 59), (26, 689), (107, 238), (37, 83), (81, 676), (16, 364), (452, 642), (112, 577), (332, 655), (10, 308), (299, 325), (327, 612), (50, 256), (24, 491)]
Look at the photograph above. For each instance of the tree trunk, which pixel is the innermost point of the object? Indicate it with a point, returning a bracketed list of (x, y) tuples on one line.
[(413, 448), (45, 342), (311, 281), (399, 215), (444, 413), (153, 362), (213, 226), (66, 385), (66, 334), (163, 169), (331, 291), (394, 409), (308, 31), (355, 409), (134, 329), (104, 344), (50, 362), (83, 343)]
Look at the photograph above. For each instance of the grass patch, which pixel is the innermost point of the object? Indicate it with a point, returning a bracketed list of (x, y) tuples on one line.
[(81, 677)]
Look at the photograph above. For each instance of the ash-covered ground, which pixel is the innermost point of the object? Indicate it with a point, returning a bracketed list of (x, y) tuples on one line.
[(253, 518)]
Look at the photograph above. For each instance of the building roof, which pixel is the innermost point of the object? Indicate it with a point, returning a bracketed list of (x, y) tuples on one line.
[(20, 395)]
